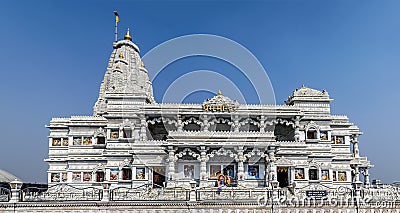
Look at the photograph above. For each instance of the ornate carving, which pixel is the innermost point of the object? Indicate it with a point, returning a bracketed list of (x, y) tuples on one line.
[(284, 162), (220, 103), (223, 152), (280, 121), (99, 167), (100, 132), (311, 125), (187, 152), (61, 192), (125, 163), (254, 152), (192, 120), (163, 120), (147, 192), (220, 120)]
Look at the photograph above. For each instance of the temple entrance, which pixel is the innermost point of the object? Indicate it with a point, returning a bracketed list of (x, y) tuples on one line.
[(158, 177), (283, 176)]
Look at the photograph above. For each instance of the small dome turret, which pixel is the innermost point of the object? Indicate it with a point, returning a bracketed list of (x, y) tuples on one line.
[(128, 36)]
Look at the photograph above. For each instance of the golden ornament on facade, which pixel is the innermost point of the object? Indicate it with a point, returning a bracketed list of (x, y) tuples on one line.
[(220, 103)]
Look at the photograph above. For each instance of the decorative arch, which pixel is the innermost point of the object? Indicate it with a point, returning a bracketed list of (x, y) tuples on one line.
[(250, 122), (280, 121), (125, 163), (163, 120), (223, 152), (193, 120), (126, 129), (284, 162), (220, 120), (99, 167), (255, 152), (187, 152), (312, 130), (99, 172), (313, 164), (221, 124), (100, 132)]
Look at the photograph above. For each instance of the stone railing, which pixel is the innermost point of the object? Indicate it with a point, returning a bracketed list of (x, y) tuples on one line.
[(231, 193), (5, 194), (318, 193), (147, 192), (385, 193), (220, 134), (61, 192)]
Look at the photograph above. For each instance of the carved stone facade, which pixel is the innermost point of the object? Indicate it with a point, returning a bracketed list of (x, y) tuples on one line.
[(130, 140)]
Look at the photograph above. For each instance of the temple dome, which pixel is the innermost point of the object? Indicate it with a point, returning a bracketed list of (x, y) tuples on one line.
[(305, 94), (305, 91), (6, 177)]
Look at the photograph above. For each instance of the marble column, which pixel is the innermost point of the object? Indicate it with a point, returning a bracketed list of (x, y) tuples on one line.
[(297, 129), (179, 124), (356, 174), (262, 124), (366, 178), (240, 160), (171, 165), (143, 129), (121, 132), (272, 174), (236, 123), (203, 166), (205, 123), (356, 152)]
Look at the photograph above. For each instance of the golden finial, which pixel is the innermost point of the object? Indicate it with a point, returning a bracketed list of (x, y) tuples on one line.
[(142, 65), (121, 55), (302, 86), (219, 92), (128, 36)]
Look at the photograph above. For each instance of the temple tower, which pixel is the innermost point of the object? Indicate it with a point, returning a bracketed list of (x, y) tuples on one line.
[(126, 84)]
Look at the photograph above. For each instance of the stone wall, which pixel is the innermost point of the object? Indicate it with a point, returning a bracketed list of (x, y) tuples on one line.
[(169, 207)]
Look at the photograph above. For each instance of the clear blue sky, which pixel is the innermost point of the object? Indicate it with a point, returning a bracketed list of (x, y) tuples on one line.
[(53, 57)]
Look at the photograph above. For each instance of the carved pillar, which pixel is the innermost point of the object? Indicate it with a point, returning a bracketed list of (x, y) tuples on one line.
[(236, 123), (272, 174), (262, 124), (205, 123), (356, 174), (366, 178), (179, 125), (356, 152), (121, 132), (171, 164), (240, 159), (203, 166), (15, 190), (297, 129), (143, 129)]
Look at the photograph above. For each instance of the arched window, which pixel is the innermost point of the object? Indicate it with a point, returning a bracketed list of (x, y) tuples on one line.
[(101, 139), (100, 176), (312, 133), (126, 173), (313, 173)]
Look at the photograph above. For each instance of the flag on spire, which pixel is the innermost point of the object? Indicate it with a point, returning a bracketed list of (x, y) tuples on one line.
[(116, 25), (116, 16)]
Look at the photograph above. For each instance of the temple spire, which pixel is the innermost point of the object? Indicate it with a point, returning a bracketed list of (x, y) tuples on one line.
[(128, 36)]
